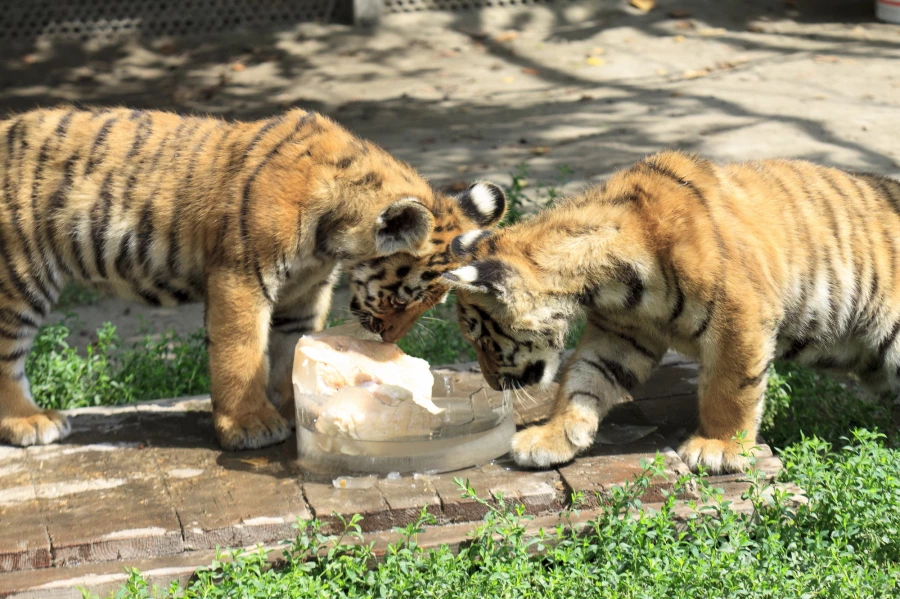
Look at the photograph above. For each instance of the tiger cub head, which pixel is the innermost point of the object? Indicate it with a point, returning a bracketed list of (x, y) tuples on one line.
[(390, 293), (515, 318)]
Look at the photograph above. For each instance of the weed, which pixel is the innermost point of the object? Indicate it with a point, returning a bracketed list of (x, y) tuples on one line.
[(109, 374), (546, 193)]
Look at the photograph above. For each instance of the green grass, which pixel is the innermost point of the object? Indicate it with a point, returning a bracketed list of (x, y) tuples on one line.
[(108, 373)]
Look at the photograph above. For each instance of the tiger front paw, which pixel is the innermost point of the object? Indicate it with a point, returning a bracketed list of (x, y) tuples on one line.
[(41, 428), (252, 430), (717, 456), (556, 442)]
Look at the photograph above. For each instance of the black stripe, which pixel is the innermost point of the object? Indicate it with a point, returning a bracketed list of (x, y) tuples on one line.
[(16, 355), (575, 394), (888, 341), (374, 181), (95, 156), (35, 302), (627, 274), (756, 380), (174, 248), (795, 349), (14, 335), (145, 236), (123, 260), (614, 372), (78, 251), (634, 343), (56, 203), (100, 218), (601, 369), (679, 297), (16, 319), (705, 324), (36, 259)]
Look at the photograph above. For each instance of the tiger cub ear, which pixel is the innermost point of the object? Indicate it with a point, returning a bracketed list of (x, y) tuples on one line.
[(486, 276), (464, 245), (483, 202), (404, 226)]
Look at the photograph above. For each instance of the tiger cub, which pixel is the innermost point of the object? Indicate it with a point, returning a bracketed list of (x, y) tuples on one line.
[(733, 265), (253, 218)]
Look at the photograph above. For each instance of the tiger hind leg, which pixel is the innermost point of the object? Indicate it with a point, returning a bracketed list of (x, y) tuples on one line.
[(22, 422)]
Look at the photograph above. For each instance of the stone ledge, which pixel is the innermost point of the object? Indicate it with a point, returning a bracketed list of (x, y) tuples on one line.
[(148, 482)]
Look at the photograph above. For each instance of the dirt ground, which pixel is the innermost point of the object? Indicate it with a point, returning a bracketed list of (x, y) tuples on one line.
[(472, 94)]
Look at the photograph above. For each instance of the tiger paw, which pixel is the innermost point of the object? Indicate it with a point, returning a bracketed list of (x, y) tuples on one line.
[(715, 455), (251, 430), (556, 442), (41, 428)]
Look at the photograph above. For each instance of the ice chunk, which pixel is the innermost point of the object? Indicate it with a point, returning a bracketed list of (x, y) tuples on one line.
[(326, 363), (354, 482)]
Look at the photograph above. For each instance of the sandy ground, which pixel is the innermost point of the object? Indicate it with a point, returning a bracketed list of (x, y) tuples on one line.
[(468, 95)]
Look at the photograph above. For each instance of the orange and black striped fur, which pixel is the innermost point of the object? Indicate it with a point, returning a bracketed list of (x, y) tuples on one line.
[(734, 265), (390, 294), (253, 218)]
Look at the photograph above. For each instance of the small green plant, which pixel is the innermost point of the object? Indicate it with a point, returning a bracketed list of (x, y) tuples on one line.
[(109, 374), (436, 337), (74, 294), (546, 194), (801, 402)]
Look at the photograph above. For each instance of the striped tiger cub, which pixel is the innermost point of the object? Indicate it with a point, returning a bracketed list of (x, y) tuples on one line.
[(252, 218), (734, 265)]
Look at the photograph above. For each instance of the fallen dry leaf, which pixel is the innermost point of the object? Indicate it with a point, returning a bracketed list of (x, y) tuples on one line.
[(29, 59), (586, 98), (695, 73), (508, 79), (678, 39), (711, 32), (167, 49), (643, 5), (237, 67), (598, 51), (679, 13), (540, 150), (754, 28), (683, 25), (595, 61), (528, 71), (676, 94), (256, 462), (507, 36)]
